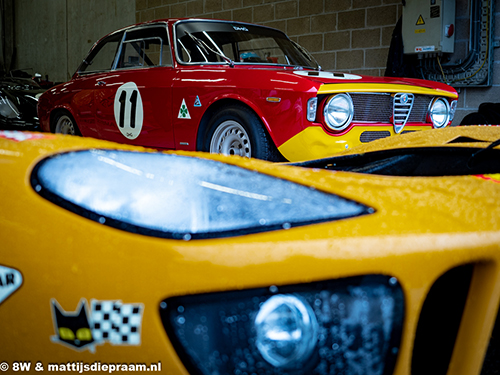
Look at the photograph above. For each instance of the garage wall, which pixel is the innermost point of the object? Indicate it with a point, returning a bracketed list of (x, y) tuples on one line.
[(53, 36), (345, 35)]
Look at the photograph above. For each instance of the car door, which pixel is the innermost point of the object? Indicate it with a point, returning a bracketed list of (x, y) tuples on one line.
[(133, 101)]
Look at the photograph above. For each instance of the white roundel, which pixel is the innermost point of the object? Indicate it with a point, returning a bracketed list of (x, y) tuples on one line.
[(129, 113)]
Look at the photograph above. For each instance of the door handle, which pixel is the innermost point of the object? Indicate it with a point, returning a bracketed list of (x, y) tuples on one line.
[(100, 83)]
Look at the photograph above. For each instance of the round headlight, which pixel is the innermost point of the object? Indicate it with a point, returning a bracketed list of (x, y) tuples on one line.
[(287, 331), (339, 111), (440, 112)]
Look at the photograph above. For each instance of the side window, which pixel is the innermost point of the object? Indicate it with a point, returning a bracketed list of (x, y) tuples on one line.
[(145, 47), (101, 58)]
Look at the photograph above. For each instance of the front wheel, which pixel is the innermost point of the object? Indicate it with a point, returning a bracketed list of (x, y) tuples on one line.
[(236, 130), (65, 124), (231, 138)]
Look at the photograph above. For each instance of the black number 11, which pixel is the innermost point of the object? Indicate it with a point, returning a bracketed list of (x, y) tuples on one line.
[(133, 108)]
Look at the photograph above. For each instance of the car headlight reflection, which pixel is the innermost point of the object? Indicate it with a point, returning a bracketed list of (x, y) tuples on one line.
[(349, 325), (287, 331), (8, 109), (181, 197), (339, 111), (439, 112)]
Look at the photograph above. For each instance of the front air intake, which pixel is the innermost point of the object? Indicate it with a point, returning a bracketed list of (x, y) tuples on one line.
[(439, 322), (372, 135)]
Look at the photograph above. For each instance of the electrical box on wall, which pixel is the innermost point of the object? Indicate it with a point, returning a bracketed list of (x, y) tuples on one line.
[(428, 26)]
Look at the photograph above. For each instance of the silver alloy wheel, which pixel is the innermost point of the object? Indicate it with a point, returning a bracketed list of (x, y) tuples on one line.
[(65, 125), (230, 138)]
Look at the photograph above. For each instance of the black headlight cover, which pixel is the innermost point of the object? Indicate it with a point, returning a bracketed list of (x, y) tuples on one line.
[(358, 321)]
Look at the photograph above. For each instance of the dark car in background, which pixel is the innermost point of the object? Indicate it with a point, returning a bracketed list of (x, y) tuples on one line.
[(18, 103)]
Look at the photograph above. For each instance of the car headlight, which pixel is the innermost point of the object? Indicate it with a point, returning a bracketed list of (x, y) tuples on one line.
[(339, 111), (8, 109), (286, 331), (439, 112), (349, 325), (181, 197)]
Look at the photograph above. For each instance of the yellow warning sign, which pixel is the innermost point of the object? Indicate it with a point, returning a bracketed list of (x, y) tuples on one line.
[(420, 20)]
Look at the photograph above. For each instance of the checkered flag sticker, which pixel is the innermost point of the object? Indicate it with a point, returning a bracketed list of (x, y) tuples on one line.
[(116, 322)]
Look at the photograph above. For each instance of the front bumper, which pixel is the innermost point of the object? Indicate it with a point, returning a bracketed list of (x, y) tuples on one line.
[(314, 143)]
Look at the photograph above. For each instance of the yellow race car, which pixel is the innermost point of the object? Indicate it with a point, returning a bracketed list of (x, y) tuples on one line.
[(117, 258)]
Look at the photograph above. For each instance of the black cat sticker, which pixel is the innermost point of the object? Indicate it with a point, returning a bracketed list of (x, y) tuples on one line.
[(72, 329), (113, 322)]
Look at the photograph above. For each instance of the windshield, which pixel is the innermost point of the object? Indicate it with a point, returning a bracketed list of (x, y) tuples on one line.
[(216, 42)]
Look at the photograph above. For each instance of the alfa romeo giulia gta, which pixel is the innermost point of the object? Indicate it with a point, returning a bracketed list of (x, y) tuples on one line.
[(233, 88)]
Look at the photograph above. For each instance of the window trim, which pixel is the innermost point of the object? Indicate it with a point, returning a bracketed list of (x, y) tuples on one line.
[(123, 40), (181, 62)]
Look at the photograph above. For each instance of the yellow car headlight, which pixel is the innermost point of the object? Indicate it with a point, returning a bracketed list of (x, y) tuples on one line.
[(287, 330), (181, 197)]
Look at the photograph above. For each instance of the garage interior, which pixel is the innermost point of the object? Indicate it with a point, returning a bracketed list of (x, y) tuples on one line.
[(437, 237), (50, 37)]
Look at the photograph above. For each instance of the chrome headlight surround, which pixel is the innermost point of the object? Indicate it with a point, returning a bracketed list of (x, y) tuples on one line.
[(315, 328), (338, 111), (453, 108), (439, 112)]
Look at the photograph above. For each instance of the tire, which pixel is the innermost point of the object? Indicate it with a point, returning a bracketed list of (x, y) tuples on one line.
[(64, 123), (236, 130)]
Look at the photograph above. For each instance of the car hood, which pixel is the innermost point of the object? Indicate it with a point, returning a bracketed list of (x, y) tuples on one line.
[(19, 84), (325, 77), (444, 152), (456, 136), (349, 82)]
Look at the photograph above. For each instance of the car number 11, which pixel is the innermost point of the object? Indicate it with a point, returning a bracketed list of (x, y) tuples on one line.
[(128, 110)]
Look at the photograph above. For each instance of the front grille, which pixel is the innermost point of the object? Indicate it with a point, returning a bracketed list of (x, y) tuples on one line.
[(372, 107), (368, 136), (378, 108), (403, 103), (420, 107)]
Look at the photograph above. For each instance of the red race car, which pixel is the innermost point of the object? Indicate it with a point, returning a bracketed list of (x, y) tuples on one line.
[(232, 88)]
